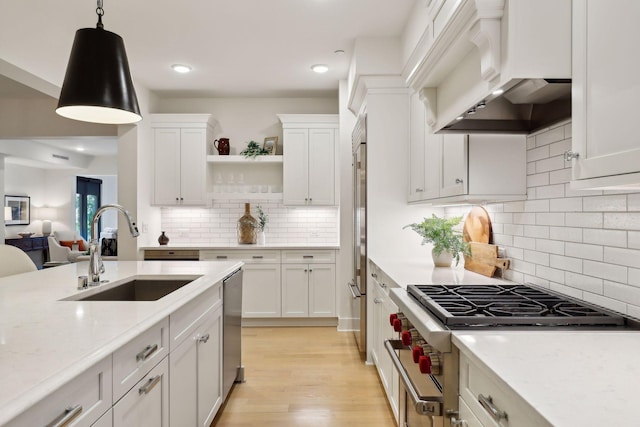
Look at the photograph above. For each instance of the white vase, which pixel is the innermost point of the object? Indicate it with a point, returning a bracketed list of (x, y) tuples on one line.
[(443, 260), (262, 238)]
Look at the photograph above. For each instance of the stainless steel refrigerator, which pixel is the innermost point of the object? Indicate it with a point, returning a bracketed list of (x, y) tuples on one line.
[(358, 285)]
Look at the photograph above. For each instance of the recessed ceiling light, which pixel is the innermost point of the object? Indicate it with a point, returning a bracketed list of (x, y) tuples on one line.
[(79, 148), (180, 68), (498, 92), (320, 68)]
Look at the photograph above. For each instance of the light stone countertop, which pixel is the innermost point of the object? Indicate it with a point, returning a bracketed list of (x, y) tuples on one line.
[(292, 246), (571, 378), (45, 342)]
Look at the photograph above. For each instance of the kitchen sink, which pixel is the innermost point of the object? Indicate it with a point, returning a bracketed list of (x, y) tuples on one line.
[(136, 289)]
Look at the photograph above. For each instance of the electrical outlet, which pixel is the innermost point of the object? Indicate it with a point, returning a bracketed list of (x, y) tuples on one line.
[(145, 227)]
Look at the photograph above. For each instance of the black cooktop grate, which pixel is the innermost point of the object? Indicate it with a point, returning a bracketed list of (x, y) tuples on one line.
[(460, 306)]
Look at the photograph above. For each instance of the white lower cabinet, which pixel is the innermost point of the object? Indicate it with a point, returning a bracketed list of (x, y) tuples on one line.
[(79, 403), (196, 374), (489, 401), (147, 403), (284, 283), (105, 421), (308, 290), (381, 308)]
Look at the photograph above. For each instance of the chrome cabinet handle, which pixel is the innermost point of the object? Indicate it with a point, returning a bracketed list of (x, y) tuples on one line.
[(423, 407), (221, 257), (374, 275), (568, 155), (382, 285), (487, 404), (459, 181), (355, 292), (377, 301), (145, 389), (257, 256), (204, 338), (66, 417), (458, 422), (419, 190), (307, 256), (148, 351)]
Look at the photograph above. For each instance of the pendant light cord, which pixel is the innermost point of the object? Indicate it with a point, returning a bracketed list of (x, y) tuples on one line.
[(100, 13)]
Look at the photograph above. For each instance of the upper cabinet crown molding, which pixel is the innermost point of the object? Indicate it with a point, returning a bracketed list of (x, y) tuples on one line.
[(472, 23), (303, 121), (366, 84), (159, 120)]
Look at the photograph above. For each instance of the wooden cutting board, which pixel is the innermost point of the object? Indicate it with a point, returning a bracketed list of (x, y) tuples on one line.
[(484, 259), (477, 226)]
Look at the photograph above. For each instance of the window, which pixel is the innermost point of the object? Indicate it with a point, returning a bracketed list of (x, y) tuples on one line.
[(87, 203)]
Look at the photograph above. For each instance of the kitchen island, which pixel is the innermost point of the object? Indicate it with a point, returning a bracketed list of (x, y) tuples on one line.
[(46, 342), (549, 377)]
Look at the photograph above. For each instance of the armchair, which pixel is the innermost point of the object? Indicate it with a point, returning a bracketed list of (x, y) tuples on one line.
[(60, 246)]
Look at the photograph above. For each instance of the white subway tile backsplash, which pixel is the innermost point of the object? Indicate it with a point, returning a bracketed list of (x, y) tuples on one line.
[(538, 154), (566, 263), (523, 266), (633, 239), (604, 270), (622, 292), (536, 206), (605, 203), (550, 219), (571, 204), (535, 257), (585, 283), (605, 237), (560, 176), (622, 221), (515, 229), (524, 218), (550, 164), (620, 256), (584, 220), (538, 179), (550, 246), (524, 242), (552, 135), (550, 191), (539, 231), (567, 234), (580, 250), (606, 302), (558, 148), (633, 202), (551, 274)]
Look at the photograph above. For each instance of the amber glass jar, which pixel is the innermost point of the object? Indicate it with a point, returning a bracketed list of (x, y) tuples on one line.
[(247, 227)]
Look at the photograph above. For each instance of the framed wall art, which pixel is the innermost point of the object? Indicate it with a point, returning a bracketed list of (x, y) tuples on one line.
[(17, 210), (271, 144)]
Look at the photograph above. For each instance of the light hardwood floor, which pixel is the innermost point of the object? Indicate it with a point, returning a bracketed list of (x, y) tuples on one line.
[(307, 377)]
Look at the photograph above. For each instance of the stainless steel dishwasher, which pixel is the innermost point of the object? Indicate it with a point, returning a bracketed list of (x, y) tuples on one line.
[(232, 369)]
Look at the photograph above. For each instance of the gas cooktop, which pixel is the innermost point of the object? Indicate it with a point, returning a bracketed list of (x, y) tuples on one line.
[(465, 306)]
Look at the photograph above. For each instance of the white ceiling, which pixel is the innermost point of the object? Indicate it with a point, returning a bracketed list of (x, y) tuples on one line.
[(256, 48)]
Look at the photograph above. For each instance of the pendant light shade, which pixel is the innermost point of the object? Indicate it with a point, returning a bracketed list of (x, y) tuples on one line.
[(97, 85)]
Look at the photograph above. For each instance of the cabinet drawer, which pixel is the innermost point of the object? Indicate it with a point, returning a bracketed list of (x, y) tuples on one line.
[(308, 257), (246, 256), (89, 394), (147, 403), (184, 321), (476, 383), (132, 361)]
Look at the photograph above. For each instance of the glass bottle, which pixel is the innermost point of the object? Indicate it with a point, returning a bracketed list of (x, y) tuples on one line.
[(247, 227)]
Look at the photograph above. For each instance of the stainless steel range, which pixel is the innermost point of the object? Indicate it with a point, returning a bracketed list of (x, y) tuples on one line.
[(427, 362)]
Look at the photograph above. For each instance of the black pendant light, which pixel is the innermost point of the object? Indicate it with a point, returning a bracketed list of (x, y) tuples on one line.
[(97, 85)]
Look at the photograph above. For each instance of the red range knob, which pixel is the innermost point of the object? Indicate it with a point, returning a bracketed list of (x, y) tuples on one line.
[(392, 318), (397, 325), (424, 364), (416, 353), (406, 338)]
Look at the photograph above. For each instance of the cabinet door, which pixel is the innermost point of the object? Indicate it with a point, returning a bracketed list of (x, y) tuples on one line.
[(147, 403), (605, 89), (193, 152), (166, 166), (261, 290), (295, 290), (209, 344), (322, 167), (184, 377), (432, 160), (105, 421), (453, 173), (417, 149), (322, 290), (294, 168)]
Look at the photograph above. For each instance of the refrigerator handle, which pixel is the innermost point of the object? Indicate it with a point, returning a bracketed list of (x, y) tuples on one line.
[(355, 292)]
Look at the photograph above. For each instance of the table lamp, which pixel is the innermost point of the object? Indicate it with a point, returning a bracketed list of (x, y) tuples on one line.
[(47, 214), (7, 213)]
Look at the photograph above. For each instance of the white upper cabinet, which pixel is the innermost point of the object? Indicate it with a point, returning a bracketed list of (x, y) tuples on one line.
[(310, 159), (605, 92), (457, 168), (179, 158)]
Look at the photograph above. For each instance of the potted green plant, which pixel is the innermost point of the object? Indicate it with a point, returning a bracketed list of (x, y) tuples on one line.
[(263, 219), (447, 242), (254, 150)]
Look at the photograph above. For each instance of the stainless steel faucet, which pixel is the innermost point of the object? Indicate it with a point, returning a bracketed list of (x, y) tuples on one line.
[(96, 267)]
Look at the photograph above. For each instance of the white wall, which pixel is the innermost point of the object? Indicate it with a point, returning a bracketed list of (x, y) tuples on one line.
[(583, 243)]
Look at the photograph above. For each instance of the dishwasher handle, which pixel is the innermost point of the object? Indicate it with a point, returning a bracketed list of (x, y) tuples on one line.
[(423, 407), (355, 291)]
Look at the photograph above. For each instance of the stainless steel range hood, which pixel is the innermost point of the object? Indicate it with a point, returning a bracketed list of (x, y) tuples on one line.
[(526, 106)]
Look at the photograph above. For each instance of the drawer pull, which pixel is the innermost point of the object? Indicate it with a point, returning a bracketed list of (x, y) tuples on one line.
[(221, 257), (257, 256), (307, 256), (66, 417), (374, 275), (148, 351), (487, 404), (145, 389), (355, 291), (204, 338)]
